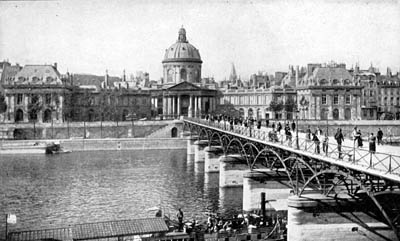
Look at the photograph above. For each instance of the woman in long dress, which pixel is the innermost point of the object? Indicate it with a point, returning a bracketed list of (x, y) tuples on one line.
[(359, 139), (372, 143)]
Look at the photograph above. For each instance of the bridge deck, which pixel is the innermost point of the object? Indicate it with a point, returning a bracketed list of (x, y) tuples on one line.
[(357, 159)]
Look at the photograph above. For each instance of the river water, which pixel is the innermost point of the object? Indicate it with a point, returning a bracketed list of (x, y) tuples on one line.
[(50, 191)]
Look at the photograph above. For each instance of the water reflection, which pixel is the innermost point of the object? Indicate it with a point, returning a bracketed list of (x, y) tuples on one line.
[(55, 191)]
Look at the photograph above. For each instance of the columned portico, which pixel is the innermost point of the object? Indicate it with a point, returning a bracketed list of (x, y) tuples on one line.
[(182, 91)]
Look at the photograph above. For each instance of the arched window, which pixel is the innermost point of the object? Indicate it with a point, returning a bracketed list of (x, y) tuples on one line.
[(183, 75), (47, 115), (324, 114), (346, 82), (124, 114), (335, 82), (91, 115), (241, 112), (347, 114), (19, 115), (49, 79), (174, 132), (250, 112), (323, 82), (258, 114), (170, 75), (335, 114)]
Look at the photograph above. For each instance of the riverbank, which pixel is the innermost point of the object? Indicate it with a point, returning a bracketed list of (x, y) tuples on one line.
[(111, 144), (87, 130)]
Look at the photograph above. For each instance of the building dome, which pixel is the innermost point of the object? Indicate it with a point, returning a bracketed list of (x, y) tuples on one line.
[(182, 50)]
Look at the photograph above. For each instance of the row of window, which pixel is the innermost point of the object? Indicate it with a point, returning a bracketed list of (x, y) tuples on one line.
[(336, 99), (124, 101), (385, 101), (246, 100), (47, 98), (390, 91)]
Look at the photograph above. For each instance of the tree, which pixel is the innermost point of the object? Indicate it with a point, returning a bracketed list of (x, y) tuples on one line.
[(34, 107), (290, 105), (276, 105)]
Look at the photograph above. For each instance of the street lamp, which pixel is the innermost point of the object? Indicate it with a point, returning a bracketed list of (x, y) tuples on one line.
[(297, 129)]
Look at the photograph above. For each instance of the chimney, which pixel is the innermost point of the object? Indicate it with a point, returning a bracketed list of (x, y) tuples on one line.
[(297, 74), (55, 65), (388, 72), (124, 77)]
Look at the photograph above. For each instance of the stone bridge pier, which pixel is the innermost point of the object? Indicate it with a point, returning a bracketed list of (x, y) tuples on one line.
[(231, 170), (318, 217), (199, 154), (275, 185), (211, 158)]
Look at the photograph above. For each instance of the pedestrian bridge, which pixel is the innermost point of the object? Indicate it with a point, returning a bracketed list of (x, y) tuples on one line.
[(357, 172)]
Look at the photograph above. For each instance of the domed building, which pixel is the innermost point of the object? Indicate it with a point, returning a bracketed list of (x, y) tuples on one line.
[(182, 92), (182, 62)]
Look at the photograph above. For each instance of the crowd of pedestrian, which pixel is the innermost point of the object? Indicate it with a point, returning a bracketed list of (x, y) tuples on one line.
[(281, 131)]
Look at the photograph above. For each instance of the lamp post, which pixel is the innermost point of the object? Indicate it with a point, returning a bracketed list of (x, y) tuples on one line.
[(297, 129)]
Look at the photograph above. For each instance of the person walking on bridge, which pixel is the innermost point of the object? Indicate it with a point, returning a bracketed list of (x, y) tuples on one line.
[(179, 215), (372, 143), (316, 142), (379, 136), (339, 139)]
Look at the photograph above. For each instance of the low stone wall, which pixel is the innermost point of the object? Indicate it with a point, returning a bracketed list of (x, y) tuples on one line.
[(109, 144), (123, 144), (88, 130)]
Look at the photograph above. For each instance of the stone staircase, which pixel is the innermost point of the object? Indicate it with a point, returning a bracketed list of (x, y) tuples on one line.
[(163, 132)]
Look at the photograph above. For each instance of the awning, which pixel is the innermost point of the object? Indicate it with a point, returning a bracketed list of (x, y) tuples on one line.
[(118, 228), (109, 229), (45, 234)]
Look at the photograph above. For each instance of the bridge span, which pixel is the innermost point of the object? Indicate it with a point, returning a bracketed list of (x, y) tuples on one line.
[(339, 171)]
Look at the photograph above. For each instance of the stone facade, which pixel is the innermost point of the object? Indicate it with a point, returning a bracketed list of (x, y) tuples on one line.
[(36, 94), (182, 92), (329, 93)]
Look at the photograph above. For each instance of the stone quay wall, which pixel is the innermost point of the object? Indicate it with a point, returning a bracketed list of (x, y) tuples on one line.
[(87, 130), (123, 144)]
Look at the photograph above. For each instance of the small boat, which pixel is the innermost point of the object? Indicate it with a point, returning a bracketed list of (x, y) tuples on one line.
[(55, 148)]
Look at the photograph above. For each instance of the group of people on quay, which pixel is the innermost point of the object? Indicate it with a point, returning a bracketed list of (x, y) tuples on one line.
[(236, 224), (280, 132)]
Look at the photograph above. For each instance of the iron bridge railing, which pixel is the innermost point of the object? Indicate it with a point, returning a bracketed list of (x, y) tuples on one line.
[(382, 162)]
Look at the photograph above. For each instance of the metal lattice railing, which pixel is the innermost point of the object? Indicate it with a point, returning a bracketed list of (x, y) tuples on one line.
[(383, 162)]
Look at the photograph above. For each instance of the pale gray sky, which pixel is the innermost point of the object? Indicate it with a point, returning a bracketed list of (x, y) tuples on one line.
[(91, 36)]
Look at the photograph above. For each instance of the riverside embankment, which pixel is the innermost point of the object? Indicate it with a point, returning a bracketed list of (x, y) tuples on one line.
[(104, 144)]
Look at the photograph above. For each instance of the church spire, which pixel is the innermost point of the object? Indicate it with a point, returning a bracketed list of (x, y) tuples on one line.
[(182, 35)]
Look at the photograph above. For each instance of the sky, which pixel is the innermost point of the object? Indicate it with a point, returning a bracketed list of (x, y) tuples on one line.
[(92, 36)]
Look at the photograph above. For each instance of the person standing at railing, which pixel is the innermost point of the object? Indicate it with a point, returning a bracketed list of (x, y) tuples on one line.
[(316, 142), (273, 126), (372, 143), (267, 123), (339, 139), (293, 126), (308, 135), (379, 136), (325, 144), (354, 135), (279, 127), (359, 139)]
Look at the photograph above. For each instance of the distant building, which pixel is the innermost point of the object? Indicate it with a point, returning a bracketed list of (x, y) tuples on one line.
[(182, 92), (328, 92), (388, 96), (36, 93)]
